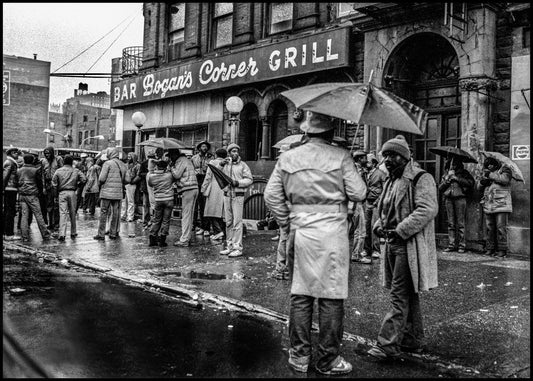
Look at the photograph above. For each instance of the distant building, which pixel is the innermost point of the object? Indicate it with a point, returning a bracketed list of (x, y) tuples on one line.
[(26, 94)]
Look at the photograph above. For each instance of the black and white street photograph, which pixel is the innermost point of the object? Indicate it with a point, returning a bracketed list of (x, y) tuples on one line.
[(266, 190)]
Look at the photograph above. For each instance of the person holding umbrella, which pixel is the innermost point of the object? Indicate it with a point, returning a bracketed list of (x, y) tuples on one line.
[(454, 187), (200, 161), (318, 247), (495, 184)]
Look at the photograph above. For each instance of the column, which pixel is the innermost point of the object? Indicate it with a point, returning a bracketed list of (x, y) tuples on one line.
[(265, 139)]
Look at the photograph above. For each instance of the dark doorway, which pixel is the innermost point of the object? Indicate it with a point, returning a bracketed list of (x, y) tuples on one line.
[(250, 133), (278, 116)]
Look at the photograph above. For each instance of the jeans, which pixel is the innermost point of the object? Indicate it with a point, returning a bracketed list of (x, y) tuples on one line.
[(10, 209), (67, 209), (402, 325), (456, 211), (330, 321), (128, 202), (188, 200), (360, 228), (281, 253), (30, 204), (161, 221), (371, 240), (218, 224), (496, 224), (111, 208), (233, 207)]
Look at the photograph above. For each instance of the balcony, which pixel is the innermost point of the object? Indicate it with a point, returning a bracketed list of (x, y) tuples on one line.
[(131, 60)]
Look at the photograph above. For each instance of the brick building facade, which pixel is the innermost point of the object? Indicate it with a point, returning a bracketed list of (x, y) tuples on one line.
[(26, 98), (458, 61)]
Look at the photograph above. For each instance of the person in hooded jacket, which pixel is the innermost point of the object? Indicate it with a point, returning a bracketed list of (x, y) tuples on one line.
[(92, 186), (30, 185), (50, 165), (112, 179), (318, 245)]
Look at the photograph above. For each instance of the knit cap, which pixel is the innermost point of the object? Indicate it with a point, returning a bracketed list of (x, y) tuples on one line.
[(233, 145), (398, 145)]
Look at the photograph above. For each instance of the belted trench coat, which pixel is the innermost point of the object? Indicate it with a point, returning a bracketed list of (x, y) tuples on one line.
[(309, 190)]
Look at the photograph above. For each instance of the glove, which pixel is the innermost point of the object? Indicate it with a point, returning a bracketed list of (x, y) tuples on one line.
[(235, 183), (379, 232)]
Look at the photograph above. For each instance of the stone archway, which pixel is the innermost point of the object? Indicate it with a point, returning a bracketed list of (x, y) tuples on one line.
[(424, 69)]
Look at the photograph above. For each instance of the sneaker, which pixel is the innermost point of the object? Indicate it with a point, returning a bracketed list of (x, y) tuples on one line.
[(449, 249), (199, 231), (366, 260), (275, 238), (226, 251), (182, 243), (299, 364), (461, 251), (343, 367), (217, 236), (355, 257), (376, 254), (379, 353), (235, 253), (363, 254), (113, 236), (99, 238), (13, 238), (206, 233)]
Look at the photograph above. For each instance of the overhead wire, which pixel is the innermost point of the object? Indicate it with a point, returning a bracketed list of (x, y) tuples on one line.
[(109, 47), (101, 38)]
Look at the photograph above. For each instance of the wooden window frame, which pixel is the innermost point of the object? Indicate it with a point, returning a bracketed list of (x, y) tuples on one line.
[(270, 12), (214, 25)]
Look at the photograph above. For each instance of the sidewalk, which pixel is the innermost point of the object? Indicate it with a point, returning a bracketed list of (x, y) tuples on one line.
[(476, 321)]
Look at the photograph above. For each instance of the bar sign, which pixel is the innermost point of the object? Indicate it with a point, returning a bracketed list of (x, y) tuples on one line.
[(7, 88)]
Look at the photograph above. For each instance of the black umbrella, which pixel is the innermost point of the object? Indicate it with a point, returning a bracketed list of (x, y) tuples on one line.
[(453, 152), (222, 179)]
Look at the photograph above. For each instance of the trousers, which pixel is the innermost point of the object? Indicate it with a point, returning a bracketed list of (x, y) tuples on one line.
[(233, 207), (456, 211), (161, 220), (188, 200), (109, 208), (30, 204), (496, 224), (67, 210)]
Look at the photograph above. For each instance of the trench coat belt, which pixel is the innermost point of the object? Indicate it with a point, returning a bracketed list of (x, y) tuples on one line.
[(319, 208)]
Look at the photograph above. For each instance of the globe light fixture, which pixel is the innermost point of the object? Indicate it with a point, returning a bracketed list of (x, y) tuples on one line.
[(234, 105), (138, 118)]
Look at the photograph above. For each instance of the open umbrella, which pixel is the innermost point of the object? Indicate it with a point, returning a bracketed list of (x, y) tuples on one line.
[(516, 172), (165, 143), (222, 179), (288, 140), (453, 152), (360, 103)]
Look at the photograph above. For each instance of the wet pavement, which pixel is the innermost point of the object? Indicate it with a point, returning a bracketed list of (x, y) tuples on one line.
[(476, 321)]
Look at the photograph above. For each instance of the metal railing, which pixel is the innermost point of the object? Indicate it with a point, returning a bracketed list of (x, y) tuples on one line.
[(131, 60)]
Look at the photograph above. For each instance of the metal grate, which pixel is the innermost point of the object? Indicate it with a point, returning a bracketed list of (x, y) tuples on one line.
[(132, 60), (255, 207)]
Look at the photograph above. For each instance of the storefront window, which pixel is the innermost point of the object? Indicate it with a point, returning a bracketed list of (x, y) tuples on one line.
[(190, 135), (223, 24), (281, 16)]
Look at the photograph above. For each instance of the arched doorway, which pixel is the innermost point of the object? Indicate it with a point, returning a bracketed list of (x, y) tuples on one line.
[(278, 116), (250, 133), (424, 69)]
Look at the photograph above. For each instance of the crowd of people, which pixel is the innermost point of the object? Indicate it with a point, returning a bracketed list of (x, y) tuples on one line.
[(383, 210)]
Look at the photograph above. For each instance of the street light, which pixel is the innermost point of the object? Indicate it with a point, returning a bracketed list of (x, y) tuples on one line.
[(138, 118), (99, 137), (234, 105), (48, 131)]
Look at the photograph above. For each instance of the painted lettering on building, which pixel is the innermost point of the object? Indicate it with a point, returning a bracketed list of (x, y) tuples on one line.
[(315, 52)]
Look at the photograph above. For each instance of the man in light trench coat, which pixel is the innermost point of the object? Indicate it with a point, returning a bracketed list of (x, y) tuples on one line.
[(407, 209), (317, 180)]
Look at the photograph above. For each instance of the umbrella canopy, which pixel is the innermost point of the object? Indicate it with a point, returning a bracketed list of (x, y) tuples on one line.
[(165, 143), (360, 103), (288, 140), (453, 152), (516, 172), (222, 179)]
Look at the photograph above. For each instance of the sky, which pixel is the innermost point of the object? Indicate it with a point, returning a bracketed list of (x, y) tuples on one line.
[(57, 32)]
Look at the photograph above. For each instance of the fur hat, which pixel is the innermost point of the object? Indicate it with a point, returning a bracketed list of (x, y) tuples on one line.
[(398, 145), (315, 123), (233, 145)]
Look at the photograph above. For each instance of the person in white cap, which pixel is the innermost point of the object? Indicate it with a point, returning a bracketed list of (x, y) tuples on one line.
[(407, 209), (242, 178), (309, 190)]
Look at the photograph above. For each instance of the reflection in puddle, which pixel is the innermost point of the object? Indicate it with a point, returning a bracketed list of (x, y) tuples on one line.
[(193, 275)]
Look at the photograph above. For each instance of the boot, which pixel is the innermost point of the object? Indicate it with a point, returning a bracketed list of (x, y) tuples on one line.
[(153, 240), (162, 239)]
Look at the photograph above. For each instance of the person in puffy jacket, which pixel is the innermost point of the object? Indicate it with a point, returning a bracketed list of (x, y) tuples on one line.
[(30, 185), (161, 180), (112, 179), (241, 177), (10, 193), (183, 171), (497, 205), (454, 187)]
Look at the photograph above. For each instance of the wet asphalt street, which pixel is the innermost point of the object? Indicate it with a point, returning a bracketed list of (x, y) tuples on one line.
[(476, 321)]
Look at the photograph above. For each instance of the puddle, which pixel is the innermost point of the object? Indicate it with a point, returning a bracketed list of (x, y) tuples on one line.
[(192, 275)]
